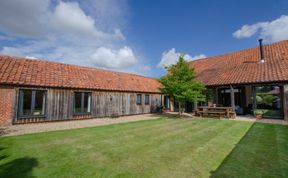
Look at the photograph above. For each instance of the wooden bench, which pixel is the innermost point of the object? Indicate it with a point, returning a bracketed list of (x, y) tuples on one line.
[(232, 114), (218, 114), (215, 111)]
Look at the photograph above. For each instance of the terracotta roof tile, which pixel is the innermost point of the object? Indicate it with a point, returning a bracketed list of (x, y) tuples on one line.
[(239, 67), (21, 71), (244, 66)]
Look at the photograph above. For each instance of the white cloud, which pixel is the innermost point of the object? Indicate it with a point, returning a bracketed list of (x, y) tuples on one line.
[(171, 57), (70, 32), (275, 30), (68, 16), (247, 31), (34, 18), (109, 58), (30, 57), (200, 56)]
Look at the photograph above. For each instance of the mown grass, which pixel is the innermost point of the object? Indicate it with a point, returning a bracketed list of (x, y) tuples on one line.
[(155, 148)]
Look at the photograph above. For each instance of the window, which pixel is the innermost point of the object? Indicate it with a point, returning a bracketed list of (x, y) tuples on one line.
[(268, 100), (139, 99), (31, 103), (147, 99), (82, 102)]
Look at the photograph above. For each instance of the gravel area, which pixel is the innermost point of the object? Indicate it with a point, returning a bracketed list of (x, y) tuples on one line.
[(72, 124)]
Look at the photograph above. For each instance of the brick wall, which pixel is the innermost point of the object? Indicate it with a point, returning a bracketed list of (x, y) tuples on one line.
[(7, 101)]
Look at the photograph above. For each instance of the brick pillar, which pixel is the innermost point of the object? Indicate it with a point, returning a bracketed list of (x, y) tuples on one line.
[(7, 101)]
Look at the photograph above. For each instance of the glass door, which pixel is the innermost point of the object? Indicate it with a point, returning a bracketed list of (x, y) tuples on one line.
[(269, 101)]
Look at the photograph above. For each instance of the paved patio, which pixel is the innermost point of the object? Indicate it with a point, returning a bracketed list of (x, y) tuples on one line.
[(72, 124), (248, 118), (253, 119)]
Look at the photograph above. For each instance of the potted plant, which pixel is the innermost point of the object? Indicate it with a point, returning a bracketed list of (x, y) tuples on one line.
[(258, 114)]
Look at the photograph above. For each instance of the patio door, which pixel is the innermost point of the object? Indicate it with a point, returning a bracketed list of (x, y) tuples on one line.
[(268, 99)]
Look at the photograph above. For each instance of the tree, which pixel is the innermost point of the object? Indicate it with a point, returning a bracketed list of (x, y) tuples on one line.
[(181, 84)]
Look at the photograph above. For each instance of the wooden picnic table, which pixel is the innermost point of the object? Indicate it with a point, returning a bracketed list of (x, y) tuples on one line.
[(218, 111)]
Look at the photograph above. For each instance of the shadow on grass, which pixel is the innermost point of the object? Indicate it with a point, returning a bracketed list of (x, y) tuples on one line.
[(18, 168), (262, 152)]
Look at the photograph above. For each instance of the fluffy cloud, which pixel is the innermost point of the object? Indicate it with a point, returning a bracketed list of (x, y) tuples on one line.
[(275, 30), (121, 58), (34, 18), (71, 32), (171, 57), (30, 57), (69, 16)]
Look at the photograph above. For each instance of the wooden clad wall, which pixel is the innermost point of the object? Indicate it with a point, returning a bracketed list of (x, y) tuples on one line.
[(59, 104), (106, 104)]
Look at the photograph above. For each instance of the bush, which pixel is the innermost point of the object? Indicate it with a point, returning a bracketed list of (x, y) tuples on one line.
[(258, 112)]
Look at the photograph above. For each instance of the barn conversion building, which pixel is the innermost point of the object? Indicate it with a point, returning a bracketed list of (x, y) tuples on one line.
[(247, 80), (38, 91)]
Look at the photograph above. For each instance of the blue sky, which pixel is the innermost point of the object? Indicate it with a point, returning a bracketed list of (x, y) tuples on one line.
[(135, 36)]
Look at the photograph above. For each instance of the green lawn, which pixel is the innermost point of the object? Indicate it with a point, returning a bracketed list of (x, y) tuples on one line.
[(155, 148)]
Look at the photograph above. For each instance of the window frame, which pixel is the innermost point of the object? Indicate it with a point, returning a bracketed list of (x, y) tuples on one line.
[(33, 98), (147, 102), (280, 94), (139, 102), (82, 103)]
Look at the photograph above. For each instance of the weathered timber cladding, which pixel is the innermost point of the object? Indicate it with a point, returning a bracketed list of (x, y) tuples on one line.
[(59, 105), (120, 103)]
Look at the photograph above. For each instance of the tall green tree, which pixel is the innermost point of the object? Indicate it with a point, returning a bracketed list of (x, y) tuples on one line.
[(180, 83)]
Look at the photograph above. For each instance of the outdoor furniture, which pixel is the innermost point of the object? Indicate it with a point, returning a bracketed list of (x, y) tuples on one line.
[(206, 111), (232, 114), (239, 110)]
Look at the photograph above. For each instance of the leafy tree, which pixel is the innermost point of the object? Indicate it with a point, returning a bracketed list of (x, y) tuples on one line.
[(181, 84)]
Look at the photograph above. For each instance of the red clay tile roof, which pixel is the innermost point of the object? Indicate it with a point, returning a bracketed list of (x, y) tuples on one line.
[(27, 72), (240, 67), (243, 67)]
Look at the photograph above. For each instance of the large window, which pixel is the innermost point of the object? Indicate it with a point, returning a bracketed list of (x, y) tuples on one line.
[(139, 99), (82, 102), (147, 99), (268, 100), (31, 103)]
